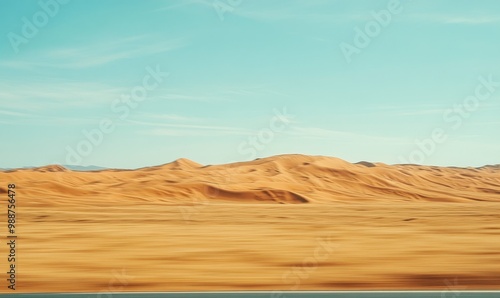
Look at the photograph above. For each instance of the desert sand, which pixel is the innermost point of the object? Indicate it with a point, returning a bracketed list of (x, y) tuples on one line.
[(289, 222)]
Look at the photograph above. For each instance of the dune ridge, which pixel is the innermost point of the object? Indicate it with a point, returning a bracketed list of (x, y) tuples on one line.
[(257, 225), (282, 179)]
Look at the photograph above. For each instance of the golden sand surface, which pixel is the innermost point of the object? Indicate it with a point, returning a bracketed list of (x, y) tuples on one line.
[(282, 223)]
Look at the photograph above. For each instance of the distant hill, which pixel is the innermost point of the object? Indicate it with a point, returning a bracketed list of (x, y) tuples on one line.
[(58, 168), (84, 168), (282, 179)]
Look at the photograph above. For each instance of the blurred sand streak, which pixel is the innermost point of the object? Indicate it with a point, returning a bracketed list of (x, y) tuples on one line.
[(283, 223)]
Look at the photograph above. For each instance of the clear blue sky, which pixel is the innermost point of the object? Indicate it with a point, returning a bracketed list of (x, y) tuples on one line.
[(231, 64)]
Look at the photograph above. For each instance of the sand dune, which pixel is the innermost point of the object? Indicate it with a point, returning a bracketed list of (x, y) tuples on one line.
[(293, 179), (289, 222)]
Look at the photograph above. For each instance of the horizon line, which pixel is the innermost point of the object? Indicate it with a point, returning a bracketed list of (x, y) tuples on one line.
[(81, 168)]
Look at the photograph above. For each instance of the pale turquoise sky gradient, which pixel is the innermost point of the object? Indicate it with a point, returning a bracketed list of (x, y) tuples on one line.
[(227, 76)]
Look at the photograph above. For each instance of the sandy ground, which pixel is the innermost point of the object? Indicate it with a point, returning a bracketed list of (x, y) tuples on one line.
[(267, 226)]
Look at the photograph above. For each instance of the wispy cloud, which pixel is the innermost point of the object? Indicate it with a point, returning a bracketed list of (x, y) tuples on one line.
[(36, 118), (96, 54), (329, 134), (321, 11), (250, 90), (297, 10), (103, 53), (487, 123), (182, 132), (405, 110), (167, 117), (220, 93), (178, 129), (14, 114), (472, 20), (448, 18), (294, 14), (426, 109), (56, 94), (183, 3), (187, 97)]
